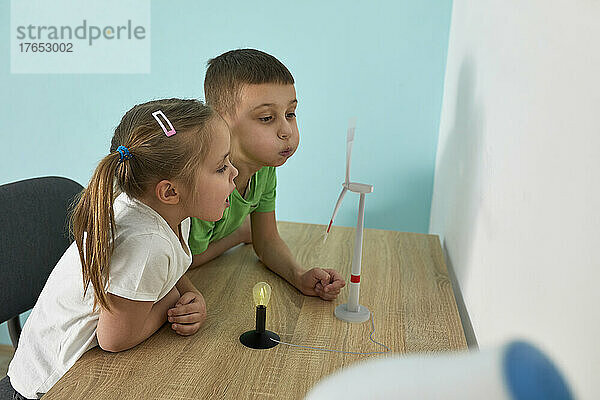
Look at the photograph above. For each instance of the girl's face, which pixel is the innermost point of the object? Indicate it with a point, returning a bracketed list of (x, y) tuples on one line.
[(214, 180)]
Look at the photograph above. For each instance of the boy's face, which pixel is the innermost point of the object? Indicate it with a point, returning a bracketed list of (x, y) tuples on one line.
[(263, 127)]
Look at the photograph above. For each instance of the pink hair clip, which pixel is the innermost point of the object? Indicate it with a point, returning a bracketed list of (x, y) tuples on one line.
[(170, 132)]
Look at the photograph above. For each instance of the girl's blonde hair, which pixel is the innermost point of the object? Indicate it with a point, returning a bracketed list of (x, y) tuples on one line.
[(154, 157)]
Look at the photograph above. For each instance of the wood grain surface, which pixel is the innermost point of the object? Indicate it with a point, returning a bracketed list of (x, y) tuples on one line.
[(404, 281)]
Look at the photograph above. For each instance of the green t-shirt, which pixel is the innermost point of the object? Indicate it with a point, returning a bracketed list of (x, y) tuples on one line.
[(261, 198)]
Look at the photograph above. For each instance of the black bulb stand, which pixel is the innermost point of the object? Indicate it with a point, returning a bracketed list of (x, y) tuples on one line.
[(259, 338)]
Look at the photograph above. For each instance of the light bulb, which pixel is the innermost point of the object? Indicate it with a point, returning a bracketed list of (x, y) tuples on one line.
[(260, 338), (261, 293)]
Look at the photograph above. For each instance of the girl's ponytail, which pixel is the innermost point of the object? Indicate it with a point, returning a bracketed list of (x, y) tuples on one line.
[(93, 226)]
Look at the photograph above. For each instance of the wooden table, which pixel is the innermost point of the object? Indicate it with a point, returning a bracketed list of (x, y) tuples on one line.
[(404, 281)]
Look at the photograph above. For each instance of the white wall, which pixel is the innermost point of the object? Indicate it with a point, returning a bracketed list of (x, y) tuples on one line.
[(516, 191)]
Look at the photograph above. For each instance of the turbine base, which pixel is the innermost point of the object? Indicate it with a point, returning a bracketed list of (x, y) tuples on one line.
[(362, 315)]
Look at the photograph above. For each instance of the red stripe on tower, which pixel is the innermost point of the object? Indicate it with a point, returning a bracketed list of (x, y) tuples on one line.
[(354, 278)]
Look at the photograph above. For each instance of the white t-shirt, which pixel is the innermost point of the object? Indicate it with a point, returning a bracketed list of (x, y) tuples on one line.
[(147, 261)]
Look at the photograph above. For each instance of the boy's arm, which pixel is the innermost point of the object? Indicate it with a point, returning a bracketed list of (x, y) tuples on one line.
[(215, 249), (218, 247), (275, 254), (272, 250)]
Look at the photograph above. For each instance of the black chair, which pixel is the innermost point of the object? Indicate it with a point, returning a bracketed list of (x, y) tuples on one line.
[(34, 234)]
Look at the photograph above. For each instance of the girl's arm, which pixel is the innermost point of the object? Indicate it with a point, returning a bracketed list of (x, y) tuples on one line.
[(190, 311), (184, 285), (130, 322)]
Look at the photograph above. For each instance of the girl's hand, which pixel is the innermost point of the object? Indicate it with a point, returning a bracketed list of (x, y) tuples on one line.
[(323, 282), (188, 314)]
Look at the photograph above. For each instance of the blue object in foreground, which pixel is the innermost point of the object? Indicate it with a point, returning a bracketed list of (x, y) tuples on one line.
[(531, 375)]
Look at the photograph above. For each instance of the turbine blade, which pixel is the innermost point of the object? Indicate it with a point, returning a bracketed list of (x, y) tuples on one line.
[(349, 142), (337, 207)]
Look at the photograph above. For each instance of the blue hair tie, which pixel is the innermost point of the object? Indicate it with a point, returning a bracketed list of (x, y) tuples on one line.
[(124, 153)]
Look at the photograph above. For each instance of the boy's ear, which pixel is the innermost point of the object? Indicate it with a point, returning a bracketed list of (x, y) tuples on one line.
[(166, 192)]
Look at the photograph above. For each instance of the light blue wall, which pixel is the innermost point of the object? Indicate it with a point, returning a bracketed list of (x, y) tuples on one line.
[(382, 62)]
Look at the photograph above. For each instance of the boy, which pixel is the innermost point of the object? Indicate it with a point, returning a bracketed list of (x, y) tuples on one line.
[(254, 93)]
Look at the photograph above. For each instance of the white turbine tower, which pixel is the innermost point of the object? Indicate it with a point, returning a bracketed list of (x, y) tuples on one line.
[(353, 311)]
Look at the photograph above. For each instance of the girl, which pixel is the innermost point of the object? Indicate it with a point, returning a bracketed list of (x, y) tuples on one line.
[(122, 277)]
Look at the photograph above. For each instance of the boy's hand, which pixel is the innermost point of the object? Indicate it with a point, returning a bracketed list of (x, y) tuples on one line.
[(188, 314), (323, 282)]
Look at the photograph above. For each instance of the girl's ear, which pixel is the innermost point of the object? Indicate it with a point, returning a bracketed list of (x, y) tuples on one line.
[(166, 192)]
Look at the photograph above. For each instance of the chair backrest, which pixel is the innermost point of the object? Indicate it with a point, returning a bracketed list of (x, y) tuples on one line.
[(34, 234)]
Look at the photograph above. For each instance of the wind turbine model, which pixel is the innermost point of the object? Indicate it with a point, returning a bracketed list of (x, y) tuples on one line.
[(352, 311)]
